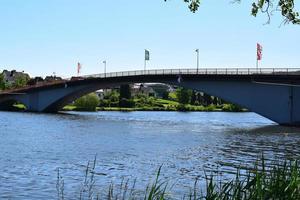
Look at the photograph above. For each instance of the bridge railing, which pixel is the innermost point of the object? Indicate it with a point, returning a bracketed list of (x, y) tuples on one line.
[(207, 71), (201, 71)]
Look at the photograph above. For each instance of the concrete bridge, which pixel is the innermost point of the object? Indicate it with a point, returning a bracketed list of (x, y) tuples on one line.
[(272, 93)]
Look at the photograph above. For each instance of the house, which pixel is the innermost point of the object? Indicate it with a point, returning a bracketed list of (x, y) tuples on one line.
[(11, 76), (140, 88), (52, 78), (151, 89)]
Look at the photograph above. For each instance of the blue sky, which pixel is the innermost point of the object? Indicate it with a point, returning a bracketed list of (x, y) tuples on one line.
[(46, 36)]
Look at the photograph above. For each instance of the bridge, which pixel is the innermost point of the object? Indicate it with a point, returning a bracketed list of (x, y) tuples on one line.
[(271, 92)]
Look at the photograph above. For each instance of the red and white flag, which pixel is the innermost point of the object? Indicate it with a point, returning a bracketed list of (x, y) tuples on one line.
[(259, 51), (78, 67)]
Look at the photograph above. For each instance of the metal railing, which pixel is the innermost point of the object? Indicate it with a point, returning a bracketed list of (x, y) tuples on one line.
[(207, 71)]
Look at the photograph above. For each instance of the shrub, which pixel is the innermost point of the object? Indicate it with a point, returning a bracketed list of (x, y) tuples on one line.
[(88, 102), (231, 108)]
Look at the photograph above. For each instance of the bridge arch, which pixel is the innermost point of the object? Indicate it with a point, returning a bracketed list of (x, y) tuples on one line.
[(7, 104)]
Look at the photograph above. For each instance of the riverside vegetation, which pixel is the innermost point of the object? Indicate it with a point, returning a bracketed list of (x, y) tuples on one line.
[(280, 180), (180, 100)]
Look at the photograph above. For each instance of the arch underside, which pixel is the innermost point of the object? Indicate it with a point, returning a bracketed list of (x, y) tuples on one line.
[(276, 102), (7, 104)]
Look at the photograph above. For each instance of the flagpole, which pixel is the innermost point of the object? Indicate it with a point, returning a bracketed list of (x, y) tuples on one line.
[(256, 63), (147, 57), (104, 62), (197, 51)]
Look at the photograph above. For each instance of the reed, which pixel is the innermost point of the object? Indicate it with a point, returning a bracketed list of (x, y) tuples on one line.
[(280, 180)]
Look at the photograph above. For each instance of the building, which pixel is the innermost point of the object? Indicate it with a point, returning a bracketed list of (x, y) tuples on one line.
[(151, 89), (11, 76)]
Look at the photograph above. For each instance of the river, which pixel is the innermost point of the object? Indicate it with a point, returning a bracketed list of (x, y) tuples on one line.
[(131, 145)]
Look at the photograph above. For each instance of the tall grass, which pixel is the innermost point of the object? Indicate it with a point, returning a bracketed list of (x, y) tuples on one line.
[(280, 180)]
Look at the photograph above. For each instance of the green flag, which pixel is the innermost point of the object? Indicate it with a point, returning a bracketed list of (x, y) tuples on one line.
[(147, 55)]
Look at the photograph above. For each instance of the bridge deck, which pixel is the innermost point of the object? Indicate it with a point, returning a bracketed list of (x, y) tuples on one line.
[(208, 72)]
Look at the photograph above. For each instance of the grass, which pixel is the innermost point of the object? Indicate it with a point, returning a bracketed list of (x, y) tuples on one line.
[(279, 180), (166, 105), (69, 108)]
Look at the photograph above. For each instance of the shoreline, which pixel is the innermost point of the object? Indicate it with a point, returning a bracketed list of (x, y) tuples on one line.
[(152, 109)]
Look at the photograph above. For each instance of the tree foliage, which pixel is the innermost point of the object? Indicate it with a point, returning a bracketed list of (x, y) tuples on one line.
[(2, 82), (285, 7), (88, 102), (20, 81), (183, 95)]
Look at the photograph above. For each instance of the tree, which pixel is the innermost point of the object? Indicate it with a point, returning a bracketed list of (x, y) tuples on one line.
[(215, 101), (183, 95), (165, 94), (207, 99), (193, 97), (20, 81), (88, 102), (2, 82), (286, 7)]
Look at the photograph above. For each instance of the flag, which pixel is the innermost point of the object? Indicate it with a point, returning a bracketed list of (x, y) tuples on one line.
[(78, 67), (259, 51), (147, 55)]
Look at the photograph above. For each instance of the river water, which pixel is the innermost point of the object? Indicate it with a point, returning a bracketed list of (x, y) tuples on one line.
[(131, 145)]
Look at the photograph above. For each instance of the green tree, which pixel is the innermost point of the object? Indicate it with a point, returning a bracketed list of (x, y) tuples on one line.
[(20, 81), (165, 94), (207, 99), (183, 95), (215, 101), (88, 102), (286, 7), (2, 82), (111, 99), (193, 97)]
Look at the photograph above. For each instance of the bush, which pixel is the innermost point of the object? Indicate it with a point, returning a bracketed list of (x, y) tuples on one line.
[(88, 102), (231, 108), (211, 107), (182, 107)]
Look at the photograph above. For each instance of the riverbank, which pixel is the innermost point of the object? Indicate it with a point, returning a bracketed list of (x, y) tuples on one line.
[(156, 104), (177, 108)]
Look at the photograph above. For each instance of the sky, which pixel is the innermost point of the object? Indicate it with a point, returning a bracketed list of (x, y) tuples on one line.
[(41, 37)]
